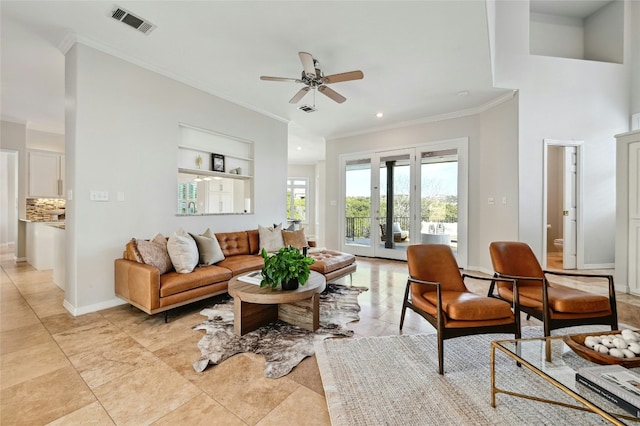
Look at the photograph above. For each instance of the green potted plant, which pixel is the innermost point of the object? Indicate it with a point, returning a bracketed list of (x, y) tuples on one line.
[(287, 267)]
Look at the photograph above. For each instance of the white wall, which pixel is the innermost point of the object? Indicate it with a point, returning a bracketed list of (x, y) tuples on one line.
[(563, 99), (492, 171), (603, 34), (8, 197), (634, 55), (560, 36), (122, 136), (13, 137)]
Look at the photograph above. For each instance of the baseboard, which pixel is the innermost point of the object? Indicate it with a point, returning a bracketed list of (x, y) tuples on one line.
[(19, 259), (92, 308), (599, 266)]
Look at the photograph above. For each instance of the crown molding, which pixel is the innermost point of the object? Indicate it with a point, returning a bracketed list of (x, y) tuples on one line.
[(431, 119)]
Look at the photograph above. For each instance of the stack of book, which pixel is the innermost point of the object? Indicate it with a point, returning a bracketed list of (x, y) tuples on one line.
[(615, 383)]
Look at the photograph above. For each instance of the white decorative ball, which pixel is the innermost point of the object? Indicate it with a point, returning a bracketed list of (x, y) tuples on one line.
[(634, 347), (616, 352), (620, 343), (628, 354), (607, 342)]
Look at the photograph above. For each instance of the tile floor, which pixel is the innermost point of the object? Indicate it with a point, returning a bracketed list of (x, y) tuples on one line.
[(120, 366)]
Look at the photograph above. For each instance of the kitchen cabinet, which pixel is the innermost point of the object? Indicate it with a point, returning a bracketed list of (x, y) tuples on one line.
[(46, 174)]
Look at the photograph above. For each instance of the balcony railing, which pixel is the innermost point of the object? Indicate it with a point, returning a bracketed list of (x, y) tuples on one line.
[(360, 227)]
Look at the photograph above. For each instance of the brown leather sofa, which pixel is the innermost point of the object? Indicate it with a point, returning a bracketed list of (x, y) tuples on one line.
[(144, 287)]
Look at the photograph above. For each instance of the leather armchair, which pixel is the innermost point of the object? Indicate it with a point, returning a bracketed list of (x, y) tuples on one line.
[(555, 305), (436, 290)]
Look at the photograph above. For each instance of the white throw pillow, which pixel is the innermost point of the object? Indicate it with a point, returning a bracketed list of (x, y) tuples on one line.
[(271, 238), (208, 248), (183, 251)]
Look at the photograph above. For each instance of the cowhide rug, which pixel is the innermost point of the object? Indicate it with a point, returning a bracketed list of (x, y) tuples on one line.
[(283, 345)]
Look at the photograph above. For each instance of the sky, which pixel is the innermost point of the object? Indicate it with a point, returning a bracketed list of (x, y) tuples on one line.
[(437, 179)]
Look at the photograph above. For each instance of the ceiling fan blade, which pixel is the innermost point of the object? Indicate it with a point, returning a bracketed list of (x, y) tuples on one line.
[(299, 95), (267, 78), (345, 76), (325, 90), (307, 63)]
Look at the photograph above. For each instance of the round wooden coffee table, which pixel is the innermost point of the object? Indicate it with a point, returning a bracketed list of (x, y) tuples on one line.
[(254, 307)]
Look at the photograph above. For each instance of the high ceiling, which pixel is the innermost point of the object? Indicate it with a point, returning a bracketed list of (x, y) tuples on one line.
[(417, 57)]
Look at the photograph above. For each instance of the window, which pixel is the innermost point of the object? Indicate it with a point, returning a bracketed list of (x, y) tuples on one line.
[(297, 199)]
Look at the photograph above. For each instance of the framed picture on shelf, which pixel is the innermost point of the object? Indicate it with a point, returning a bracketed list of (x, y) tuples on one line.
[(217, 163)]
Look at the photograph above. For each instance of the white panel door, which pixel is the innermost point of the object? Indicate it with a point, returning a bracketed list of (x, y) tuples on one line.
[(569, 203)]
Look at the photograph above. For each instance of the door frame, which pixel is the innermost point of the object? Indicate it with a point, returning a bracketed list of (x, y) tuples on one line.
[(461, 145), (579, 197)]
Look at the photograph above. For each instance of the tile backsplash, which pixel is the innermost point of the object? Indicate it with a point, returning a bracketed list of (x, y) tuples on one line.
[(37, 208)]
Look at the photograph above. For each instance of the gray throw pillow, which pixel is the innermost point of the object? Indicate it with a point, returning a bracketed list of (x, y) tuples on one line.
[(208, 248)]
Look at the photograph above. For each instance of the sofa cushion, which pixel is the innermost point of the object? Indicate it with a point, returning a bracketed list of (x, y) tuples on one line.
[(153, 253), (174, 283), (242, 263), (233, 243), (328, 261), (183, 251), (209, 250), (295, 239), (254, 241), (271, 238)]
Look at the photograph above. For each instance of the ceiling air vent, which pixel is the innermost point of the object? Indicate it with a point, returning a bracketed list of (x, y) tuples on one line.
[(306, 108), (122, 15)]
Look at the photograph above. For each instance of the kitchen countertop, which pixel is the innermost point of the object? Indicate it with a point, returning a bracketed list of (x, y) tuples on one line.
[(60, 224)]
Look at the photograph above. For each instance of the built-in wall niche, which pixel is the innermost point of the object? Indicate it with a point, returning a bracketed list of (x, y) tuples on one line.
[(589, 30), (215, 173)]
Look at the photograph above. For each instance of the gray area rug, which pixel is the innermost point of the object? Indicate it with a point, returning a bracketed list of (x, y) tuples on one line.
[(282, 345), (393, 380)]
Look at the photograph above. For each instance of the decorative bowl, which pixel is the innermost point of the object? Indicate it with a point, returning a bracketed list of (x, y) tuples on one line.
[(576, 343)]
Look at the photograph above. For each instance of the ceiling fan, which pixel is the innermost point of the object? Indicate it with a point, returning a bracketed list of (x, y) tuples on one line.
[(314, 78)]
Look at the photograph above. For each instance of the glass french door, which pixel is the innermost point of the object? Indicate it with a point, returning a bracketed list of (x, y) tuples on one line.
[(411, 196), (378, 204)]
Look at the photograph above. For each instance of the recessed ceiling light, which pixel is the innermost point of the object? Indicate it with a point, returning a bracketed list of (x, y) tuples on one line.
[(463, 93), (379, 115), (299, 148)]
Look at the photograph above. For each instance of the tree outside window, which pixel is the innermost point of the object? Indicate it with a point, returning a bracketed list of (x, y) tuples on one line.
[(297, 199)]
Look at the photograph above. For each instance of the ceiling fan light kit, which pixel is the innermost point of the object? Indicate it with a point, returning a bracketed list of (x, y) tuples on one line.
[(313, 78)]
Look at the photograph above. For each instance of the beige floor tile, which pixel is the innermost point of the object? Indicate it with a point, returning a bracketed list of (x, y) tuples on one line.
[(145, 395), (307, 374), (162, 334), (17, 317), (181, 355), (92, 414), (201, 410), (86, 337), (239, 385), (47, 303), (33, 281), (127, 315), (65, 321), (27, 364), (302, 407), (117, 358), (45, 398), (8, 291), (23, 337)]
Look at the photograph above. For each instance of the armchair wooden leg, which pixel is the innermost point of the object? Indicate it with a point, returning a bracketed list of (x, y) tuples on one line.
[(404, 305), (440, 354)]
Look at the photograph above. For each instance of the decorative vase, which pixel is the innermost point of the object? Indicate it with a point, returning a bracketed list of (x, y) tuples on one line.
[(292, 284)]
